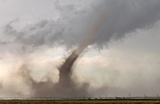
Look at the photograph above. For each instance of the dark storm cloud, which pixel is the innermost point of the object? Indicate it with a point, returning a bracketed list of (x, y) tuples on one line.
[(126, 16), (131, 15)]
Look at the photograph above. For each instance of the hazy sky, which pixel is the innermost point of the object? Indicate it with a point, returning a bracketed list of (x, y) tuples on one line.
[(124, 57)]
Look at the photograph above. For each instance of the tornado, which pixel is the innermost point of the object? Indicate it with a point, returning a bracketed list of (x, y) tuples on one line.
[(65, 70), (115, 19)]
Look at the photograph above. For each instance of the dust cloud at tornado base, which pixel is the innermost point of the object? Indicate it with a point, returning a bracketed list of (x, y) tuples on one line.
[(127, 16)]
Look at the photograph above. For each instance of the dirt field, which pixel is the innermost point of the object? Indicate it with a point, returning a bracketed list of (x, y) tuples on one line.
[(79, 102)]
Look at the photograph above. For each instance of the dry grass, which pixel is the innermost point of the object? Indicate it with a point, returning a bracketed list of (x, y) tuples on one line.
[(79, 102)]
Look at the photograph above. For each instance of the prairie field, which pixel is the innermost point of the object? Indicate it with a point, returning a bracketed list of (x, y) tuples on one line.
[(79, 102)]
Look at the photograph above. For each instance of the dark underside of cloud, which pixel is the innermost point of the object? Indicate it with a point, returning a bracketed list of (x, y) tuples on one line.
[(126, 16)]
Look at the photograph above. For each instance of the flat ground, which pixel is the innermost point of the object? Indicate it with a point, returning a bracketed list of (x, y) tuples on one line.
[(80, 102)]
